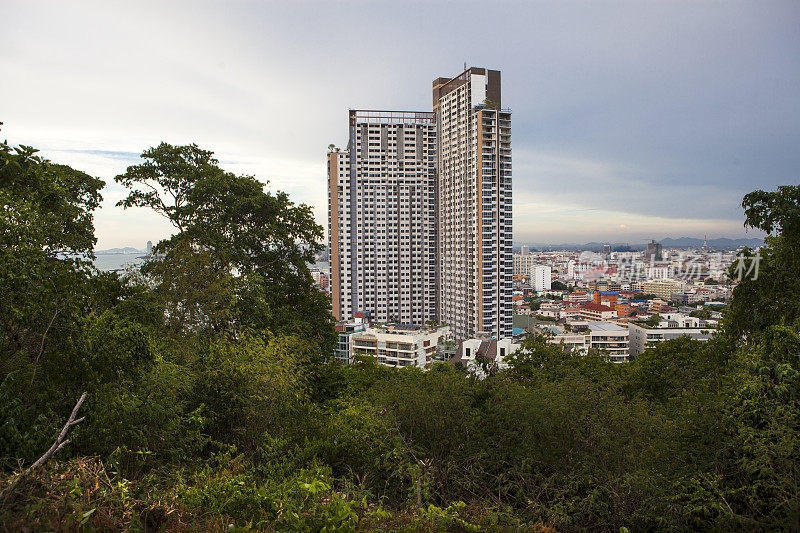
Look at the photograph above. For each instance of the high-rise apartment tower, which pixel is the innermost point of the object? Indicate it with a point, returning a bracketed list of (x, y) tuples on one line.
[(381, 218), (474, 219), (419, 212)]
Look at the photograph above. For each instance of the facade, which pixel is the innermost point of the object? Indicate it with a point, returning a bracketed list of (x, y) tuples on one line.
[(381, 218), (398, 346), (607, 337), (523, 264), (658, 272), (540, 278), (608, 298), (611, 339), (663, 288), (577, 296), (474, 259), (593, 311)]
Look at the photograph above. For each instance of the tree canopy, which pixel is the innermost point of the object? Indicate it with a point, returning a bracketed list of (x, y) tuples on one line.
[(210, 403)]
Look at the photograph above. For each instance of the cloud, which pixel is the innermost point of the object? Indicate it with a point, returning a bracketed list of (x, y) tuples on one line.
[(658, 116)]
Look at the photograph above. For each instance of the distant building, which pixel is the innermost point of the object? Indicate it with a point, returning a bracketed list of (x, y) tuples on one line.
[(321, 279), (608, 298), (577, 296), (653, 252), (658, 272), (611, 339), (523, 264), (525, 249), (623, 308), (149, 247), (540, 277), (665, 289), (593, 311)]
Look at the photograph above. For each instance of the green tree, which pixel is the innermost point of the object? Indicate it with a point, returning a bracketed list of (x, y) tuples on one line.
[(772, 297), (239, 260), (46, 241)]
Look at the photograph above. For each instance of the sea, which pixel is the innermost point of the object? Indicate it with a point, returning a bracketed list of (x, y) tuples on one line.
[(120, 261)]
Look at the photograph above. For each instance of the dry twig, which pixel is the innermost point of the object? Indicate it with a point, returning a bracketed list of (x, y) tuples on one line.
[(60, 442)]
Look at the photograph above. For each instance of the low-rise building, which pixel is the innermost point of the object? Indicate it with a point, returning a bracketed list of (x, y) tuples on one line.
[(610, 338), (593, 311), (608, 298), (666, 289), (577, 296), (643, 336), (523, 264), (472, 351), (399, 346), (549, 312), (623, 308), (580, 337), (345, 330)]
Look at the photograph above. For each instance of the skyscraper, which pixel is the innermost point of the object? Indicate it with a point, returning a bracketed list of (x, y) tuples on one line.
[(381, 218), (419, 212), (474, 218)]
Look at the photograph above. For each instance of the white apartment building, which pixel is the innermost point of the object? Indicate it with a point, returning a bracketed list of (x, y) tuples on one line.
[(381, 218), (577, 269), (540, 278), (658, 272), (643, 337), (607, 337), (610, 338), (398, 346), (475, 264)]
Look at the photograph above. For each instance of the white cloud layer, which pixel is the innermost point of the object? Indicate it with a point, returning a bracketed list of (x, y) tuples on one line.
[(631, 120)]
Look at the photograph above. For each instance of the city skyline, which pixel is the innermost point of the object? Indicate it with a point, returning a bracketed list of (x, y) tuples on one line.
[(610, 105)]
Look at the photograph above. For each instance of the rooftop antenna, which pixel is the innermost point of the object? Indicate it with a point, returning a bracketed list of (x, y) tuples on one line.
[(465, 65)]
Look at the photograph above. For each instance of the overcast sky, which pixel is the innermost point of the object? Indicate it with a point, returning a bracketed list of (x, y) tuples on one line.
[(631, 120)]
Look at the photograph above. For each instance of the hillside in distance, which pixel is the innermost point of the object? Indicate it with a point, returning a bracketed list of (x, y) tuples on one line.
[(723, 243)]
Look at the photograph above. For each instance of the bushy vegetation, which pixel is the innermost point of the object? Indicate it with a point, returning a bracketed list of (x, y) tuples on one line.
[(212, 404)]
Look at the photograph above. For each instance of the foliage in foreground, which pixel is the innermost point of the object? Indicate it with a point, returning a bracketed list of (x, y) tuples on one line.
[(211, 405)]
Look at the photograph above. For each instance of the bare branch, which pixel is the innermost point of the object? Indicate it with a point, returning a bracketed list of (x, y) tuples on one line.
[(41, 346), (57, 445)]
